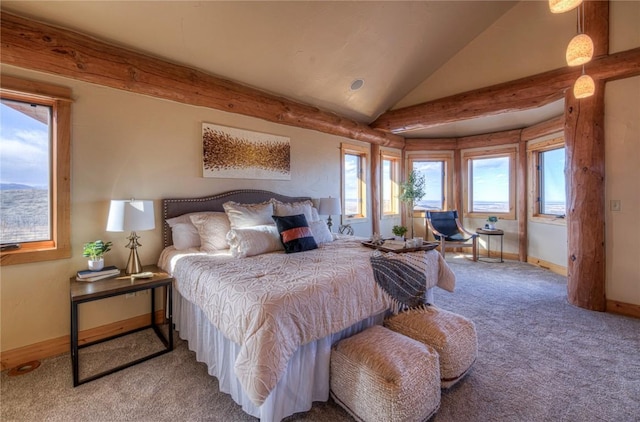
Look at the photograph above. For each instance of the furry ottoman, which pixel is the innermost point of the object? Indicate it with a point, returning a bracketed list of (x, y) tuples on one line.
[(380, 375), (452, 335)]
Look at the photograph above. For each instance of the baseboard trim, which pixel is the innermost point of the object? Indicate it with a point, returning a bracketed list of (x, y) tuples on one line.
[(558, 269), (57, 346), (621, 308)]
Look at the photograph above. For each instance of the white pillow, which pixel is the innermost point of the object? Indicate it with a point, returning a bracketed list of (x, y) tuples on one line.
[(184, 233), (284, 209), (248, 215), (321, 232), (212, 229), (185, 236), (250, 241)]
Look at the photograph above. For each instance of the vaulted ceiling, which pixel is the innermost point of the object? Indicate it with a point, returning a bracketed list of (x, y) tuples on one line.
[(308, 51)]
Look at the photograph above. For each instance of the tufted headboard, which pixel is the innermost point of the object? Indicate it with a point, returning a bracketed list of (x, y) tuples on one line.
[(177, 206)]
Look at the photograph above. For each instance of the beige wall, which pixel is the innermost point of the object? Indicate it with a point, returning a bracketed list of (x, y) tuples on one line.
[(622, 149), (126, 145), (526, 40), (622, 228)]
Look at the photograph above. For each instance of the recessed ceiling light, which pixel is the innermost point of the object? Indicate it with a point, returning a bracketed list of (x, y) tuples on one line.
[(357, 84)]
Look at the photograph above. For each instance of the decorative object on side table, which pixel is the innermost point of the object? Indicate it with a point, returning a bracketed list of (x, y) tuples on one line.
[(399, 232), (491, 222), (377, 240), (90, 275), (400, 246), (329, 206), (95, 252), (131, 215)]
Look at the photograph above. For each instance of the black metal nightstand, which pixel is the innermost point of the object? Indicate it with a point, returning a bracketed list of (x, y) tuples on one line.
[(82, 292)]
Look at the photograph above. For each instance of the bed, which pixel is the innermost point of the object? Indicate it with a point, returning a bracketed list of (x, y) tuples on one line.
[(261, 319)]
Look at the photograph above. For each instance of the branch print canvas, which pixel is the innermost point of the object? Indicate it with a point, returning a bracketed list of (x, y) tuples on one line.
[(242, 154)]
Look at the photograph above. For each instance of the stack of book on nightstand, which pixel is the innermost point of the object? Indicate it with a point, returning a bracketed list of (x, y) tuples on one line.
[(106, 272)]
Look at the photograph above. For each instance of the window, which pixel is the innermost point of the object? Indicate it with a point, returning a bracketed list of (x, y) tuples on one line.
[(548, 199), (436, 169), (354, 182), (389, 183), (490, 184), (433, 172), (34, 171), (551, 193)]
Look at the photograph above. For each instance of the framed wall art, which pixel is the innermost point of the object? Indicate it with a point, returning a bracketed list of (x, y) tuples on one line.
[(242, 154)]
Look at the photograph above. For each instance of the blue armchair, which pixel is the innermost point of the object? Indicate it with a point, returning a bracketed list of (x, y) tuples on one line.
[(448, 230)]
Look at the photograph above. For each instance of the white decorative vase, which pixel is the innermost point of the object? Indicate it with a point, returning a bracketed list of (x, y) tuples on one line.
[(96, 265), (491, 226)]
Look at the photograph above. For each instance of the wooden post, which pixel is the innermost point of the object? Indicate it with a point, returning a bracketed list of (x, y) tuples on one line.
[(375, 188), (457, 182), (584, 173), (522, 196)]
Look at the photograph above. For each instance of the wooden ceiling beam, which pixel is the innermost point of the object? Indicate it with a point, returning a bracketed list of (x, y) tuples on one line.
[(38, 46), (521, 94)]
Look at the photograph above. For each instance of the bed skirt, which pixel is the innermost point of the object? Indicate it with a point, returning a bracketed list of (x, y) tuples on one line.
[(306, 379)]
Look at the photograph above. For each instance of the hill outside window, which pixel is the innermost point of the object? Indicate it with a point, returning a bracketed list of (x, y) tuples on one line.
[(34, 171)]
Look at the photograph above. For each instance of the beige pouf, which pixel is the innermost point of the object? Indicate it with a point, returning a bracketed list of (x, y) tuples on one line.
[(380, 375), (453, 336)]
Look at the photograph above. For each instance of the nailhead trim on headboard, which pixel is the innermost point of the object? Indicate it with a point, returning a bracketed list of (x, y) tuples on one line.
[(174, 207)]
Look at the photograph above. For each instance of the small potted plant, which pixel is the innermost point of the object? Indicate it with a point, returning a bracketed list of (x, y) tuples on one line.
[(95, 252), (491, 222), (399, 232)]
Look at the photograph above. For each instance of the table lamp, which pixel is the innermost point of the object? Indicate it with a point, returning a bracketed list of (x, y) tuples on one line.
[(329, 206), (131, 215)]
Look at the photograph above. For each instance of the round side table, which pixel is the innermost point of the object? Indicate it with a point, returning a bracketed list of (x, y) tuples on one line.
[(489, 234)]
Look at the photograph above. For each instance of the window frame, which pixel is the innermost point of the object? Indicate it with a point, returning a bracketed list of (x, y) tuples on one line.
[(59, 99), (534, 151), (447, 179), (363, 154), (395, 159), (467, 190)]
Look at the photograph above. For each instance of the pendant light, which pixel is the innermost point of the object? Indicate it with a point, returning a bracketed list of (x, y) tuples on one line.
[(584, 86), (561, 6), (580, 48)]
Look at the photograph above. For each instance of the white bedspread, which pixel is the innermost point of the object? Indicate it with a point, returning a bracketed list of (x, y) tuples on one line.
[(272, 304)]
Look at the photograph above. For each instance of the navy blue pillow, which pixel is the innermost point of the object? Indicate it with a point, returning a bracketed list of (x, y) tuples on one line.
[(295, 234)]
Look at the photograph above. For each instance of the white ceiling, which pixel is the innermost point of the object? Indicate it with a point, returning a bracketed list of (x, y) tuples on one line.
[(308, 51)]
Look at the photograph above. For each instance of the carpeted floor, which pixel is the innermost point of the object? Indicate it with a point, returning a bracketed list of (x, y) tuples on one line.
[(540, 359)]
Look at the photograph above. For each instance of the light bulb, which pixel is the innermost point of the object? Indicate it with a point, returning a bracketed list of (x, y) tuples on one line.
[(584, 87), (561, 6), (580, 50)]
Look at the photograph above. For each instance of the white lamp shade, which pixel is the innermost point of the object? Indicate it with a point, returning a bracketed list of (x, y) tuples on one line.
[(561, 6), (330, 206), (130, 215), (584, 87), (580, 50)]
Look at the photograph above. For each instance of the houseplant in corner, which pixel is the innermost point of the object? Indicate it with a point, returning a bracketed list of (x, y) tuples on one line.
[(95, 252), (411, 191)]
